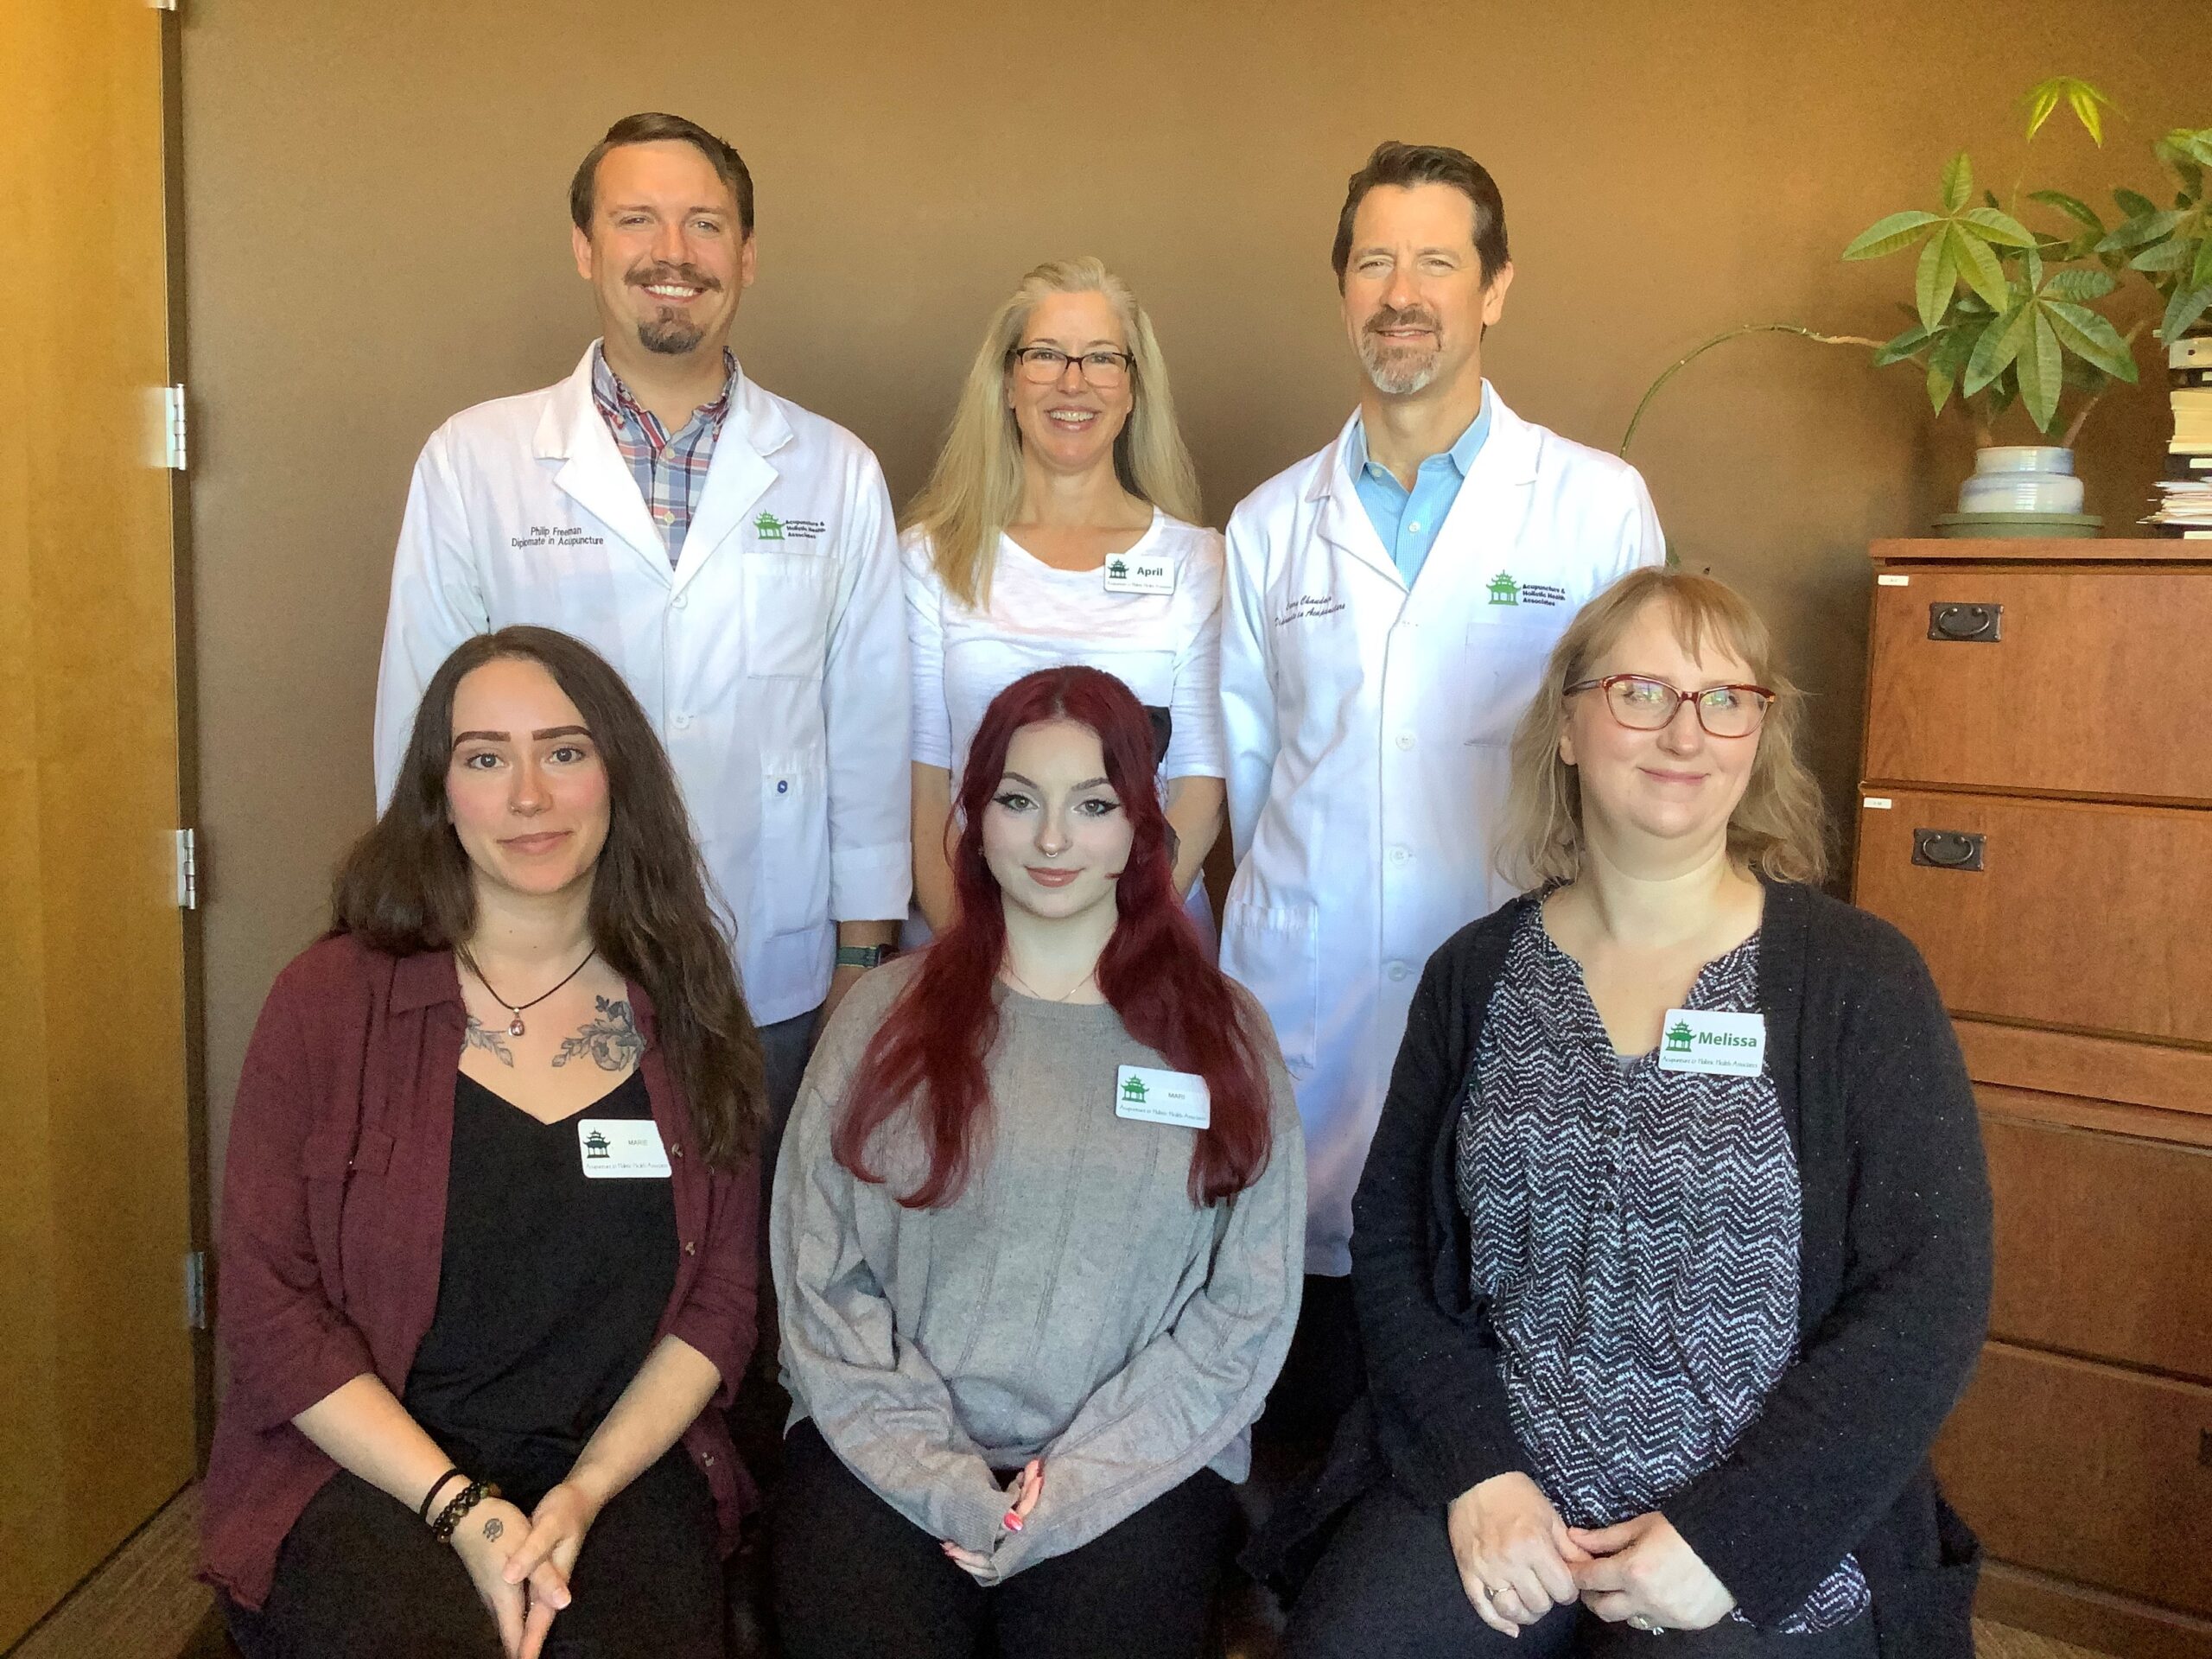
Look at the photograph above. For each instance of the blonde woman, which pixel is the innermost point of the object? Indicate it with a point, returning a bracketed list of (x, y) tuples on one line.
[(1672, 1251), (1058, 526)]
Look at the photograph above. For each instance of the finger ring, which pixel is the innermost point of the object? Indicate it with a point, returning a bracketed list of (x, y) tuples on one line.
[(1638, 1622)]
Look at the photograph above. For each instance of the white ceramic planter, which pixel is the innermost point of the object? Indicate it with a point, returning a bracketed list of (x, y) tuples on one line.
[(2022, 478)]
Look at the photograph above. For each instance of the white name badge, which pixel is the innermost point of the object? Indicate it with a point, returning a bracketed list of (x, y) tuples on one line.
[(1719, 1044), (1127, 574), (618, 1149), (1176, 1097)]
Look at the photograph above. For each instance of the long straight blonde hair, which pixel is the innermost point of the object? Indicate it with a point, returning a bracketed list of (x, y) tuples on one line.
[(1780, 827), (976, 483)]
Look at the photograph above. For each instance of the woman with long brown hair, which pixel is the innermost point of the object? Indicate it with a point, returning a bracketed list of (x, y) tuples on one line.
[(1037, 1235), (487, 1259)]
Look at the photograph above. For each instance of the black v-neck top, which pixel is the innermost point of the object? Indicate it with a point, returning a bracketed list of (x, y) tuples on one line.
[(550, 1289)]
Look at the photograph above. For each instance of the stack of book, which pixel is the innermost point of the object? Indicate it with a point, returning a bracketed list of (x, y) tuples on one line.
[(2185, 506)]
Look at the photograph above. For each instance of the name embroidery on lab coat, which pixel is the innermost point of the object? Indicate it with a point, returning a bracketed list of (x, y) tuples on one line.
[(557, 536), (1306, 606)]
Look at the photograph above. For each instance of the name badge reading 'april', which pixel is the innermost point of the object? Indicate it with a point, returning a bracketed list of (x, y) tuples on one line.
[(1127, 573), (1719, 1044), (619, 1149), (1176, 1097)]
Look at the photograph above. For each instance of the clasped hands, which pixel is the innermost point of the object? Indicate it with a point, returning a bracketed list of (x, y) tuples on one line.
[(521, 1564), (1022, 1493), (1518, 1560)]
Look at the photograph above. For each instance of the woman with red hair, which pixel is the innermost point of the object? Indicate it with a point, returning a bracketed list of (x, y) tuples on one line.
[(1038, 1235)]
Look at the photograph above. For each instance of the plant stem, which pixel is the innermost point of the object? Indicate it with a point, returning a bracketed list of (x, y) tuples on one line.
[(2073, 431), (1683, 362)]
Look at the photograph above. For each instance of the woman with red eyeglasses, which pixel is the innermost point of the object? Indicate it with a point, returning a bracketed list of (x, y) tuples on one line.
[(1038, 1236), (1672, 1251)]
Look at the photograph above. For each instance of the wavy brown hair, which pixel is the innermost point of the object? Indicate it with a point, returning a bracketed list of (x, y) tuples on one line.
[(407, 885), (1778, 828)]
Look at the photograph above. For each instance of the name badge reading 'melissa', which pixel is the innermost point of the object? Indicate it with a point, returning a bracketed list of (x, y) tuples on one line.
[(1127, 574), (622, 1148), (1149, 1096), (1718, 1044)]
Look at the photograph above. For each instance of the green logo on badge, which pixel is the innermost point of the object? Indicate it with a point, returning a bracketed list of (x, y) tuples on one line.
[(1134, 1090), (595, 1145), (1678, 1037), (768, 527), (1116, 570), (1503, 590)]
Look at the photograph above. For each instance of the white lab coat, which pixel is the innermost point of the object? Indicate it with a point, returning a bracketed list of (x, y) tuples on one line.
[(771, 659), (1368, 729)]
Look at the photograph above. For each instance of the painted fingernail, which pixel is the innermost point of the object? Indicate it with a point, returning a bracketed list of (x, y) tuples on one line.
[(1013, 1521)]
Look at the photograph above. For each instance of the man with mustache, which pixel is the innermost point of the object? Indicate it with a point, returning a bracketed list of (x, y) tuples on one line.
[(1390, 604), (731, 554)]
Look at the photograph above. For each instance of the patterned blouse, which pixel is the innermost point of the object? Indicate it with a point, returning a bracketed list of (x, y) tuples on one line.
[(1636, 1231)]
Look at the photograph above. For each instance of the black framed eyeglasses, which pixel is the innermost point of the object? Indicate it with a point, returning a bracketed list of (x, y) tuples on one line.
[(1042, 366), (1644, 704)]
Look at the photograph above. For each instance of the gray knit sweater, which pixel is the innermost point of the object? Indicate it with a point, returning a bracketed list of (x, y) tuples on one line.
[(1071, 1304)]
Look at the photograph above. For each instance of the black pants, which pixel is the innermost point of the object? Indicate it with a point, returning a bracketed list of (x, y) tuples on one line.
[(359, 1577), (1388, 1588), (1321, 1375), (854, 1577)]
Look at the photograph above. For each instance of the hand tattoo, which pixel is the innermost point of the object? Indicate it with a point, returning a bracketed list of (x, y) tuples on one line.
[(479, 1036), (492, 1528), (609, 1037)]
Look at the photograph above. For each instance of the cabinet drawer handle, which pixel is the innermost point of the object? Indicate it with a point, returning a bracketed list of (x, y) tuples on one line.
[(1967, 623), (1947, 849)]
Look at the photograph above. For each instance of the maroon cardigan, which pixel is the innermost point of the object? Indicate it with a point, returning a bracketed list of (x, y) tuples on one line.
[(333, 1230)]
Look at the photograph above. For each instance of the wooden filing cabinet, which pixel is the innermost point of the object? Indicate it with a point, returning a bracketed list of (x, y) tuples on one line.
[(2036, 813)]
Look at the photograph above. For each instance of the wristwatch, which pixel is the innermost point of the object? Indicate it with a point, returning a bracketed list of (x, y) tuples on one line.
[(861, 955)]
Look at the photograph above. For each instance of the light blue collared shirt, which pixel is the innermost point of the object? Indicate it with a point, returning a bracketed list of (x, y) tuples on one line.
[(1407, 520)]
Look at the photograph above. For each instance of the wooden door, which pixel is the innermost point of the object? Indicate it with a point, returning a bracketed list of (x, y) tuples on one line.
[(97, 1388)]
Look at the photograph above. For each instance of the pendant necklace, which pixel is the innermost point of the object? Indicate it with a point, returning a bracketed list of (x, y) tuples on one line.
[(1025, 985), (514, 1025)]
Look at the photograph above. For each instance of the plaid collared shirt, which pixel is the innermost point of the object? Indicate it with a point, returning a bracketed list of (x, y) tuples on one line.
[(670, 471)]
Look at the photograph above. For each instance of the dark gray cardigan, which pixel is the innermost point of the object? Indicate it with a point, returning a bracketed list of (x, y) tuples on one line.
[(1893, 1295)]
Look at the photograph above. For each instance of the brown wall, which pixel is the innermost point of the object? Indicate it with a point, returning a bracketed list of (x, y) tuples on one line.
[(377, 237)]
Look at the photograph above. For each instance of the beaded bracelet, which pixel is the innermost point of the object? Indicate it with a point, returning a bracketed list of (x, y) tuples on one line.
[(450, 1517), (422, 1510)]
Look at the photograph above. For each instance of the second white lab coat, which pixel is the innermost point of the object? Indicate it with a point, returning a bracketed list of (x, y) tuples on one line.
[(772, 658), (1368, 726)]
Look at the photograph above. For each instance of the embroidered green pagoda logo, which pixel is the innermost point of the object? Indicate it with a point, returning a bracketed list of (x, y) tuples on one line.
[(595, 1145), (1503, 590), (1678, 1037), (1133, 1091), (768, 527), (1117, 570)]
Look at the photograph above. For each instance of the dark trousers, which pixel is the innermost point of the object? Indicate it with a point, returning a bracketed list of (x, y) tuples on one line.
[(852, 1576), (1321, 1375), (359, 1577), (757, 1416), (1388, 1588)]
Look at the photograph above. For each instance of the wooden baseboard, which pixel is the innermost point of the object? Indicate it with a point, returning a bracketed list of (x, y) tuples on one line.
[(2089, 1617), (142, 1604)]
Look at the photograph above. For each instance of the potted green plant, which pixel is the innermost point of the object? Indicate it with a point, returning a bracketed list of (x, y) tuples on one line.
[(2007, 316)]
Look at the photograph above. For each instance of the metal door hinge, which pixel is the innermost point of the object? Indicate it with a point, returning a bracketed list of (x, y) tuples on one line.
[(174, 454), (195, 1290), (188, 870), (162, 5)]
